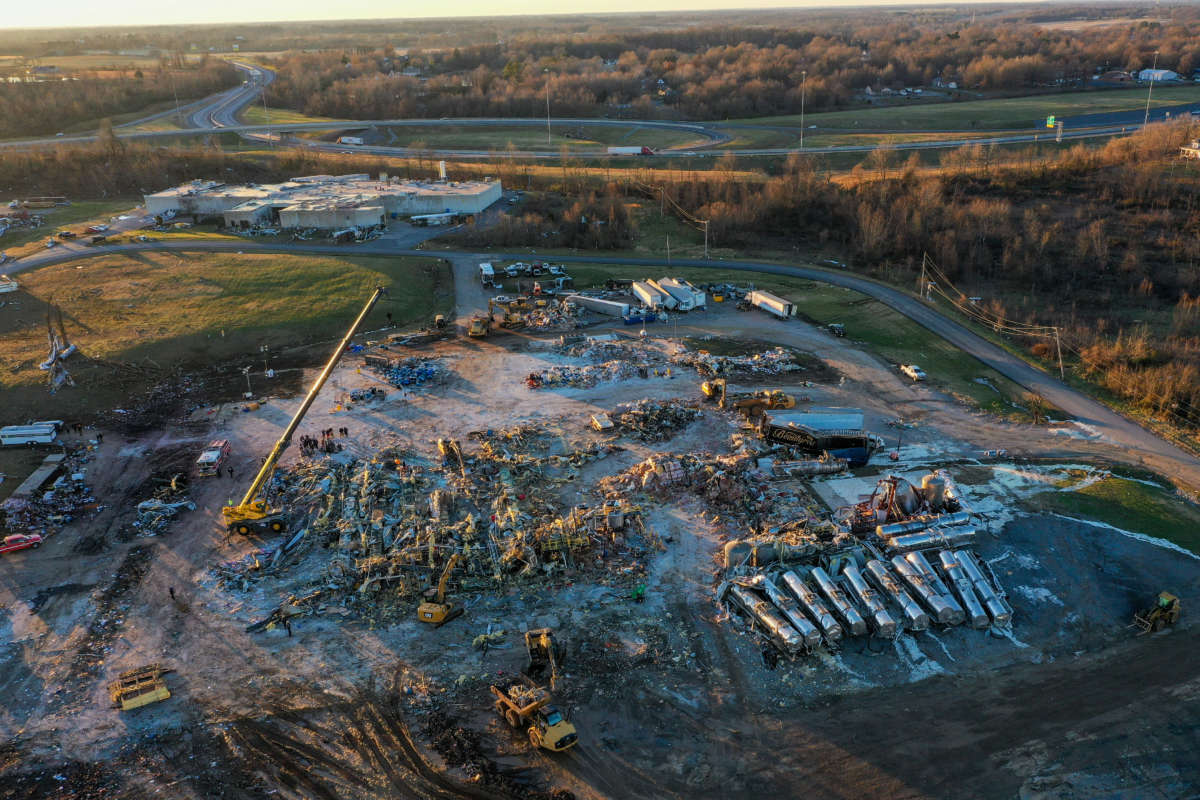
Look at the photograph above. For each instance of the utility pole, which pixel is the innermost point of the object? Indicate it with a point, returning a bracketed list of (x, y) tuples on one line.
[(1150, 91), (706, 240), (267, 112), (803, 87), (662, 201), (668, 248), (547, 73), (1062, 375)]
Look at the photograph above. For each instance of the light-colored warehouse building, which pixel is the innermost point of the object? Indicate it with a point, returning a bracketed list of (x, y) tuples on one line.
[(323, 201)]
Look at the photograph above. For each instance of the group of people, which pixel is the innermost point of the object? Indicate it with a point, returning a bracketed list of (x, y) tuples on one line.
[(310, 445)]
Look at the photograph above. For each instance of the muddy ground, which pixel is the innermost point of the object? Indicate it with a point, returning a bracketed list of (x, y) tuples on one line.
[(672, 698)]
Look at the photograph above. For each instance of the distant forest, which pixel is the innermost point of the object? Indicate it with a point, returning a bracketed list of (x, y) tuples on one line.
[(723, 71), (68, 99)]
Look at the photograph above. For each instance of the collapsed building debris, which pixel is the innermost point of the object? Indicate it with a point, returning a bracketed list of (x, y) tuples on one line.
[(653, 421), (44, 511), (412, 371), (769, 362)]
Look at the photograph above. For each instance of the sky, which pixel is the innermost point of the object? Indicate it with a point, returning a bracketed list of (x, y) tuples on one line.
[(85, 13)]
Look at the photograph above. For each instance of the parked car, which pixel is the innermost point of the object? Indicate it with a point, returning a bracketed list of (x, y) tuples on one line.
[(514, 270), (96, 228), (913, 371), (556, 271), (66, 234), (20, 541)]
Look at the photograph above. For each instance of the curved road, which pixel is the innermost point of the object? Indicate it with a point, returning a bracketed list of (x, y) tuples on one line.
[(1149, 448)]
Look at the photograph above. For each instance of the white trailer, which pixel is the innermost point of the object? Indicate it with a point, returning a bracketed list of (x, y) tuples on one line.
[(652, 297), (7, 284), (771, 304), (688, 296), (355, 140), (37, 433), (599, 305), (487, 274)]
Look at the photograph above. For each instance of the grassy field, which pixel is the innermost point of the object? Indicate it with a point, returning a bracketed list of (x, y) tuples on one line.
[(153, 312), (17, 464), (255, 114), (1007, 113), (73, 217), (889, 334), (1132, 505)]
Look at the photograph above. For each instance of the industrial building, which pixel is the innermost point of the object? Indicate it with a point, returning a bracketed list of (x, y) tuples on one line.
[(323, 201)]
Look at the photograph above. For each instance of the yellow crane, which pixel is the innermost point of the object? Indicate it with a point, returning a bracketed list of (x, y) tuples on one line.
[(252, 515), (435, 610)]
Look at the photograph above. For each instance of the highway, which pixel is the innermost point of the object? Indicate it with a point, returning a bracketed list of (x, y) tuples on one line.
[(1142, 445), (220, 112)]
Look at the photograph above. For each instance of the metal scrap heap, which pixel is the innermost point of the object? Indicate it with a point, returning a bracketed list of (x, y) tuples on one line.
[(768, 362), (653, 421)]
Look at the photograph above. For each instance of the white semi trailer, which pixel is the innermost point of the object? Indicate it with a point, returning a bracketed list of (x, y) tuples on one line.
[(686, 295), (768, 302), (599, 305), (652, 297)]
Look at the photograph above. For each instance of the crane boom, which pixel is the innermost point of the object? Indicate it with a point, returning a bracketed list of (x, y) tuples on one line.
[(251, 512)]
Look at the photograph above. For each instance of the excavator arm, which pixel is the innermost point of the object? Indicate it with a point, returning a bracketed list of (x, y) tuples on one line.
[(252, 515)]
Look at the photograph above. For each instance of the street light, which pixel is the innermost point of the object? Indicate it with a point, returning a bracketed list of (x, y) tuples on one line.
[(249, 391), (803, 86), (1149, 91)]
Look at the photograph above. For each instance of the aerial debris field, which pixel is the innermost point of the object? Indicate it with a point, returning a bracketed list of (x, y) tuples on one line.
[(765, 562)]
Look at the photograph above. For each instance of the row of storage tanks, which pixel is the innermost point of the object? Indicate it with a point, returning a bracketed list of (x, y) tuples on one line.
[(881, 599)]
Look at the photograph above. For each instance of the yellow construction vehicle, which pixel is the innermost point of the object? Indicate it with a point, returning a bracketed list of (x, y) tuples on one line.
[(435, 610), (1164, 612), (714, 391), (544, 653), (478, 327), (252, 515), (529, 705), (451, 450), (139, 687), (754, 405)]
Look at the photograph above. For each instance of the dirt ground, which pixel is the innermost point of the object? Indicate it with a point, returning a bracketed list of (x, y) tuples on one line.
[(671, 698)]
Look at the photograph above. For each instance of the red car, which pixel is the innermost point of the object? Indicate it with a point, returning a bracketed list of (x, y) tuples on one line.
[(20, 541)]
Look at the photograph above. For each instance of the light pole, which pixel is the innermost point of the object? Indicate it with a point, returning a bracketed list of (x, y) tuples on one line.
[(803, 86), (1149, 91), (249, 390), (547, 71)]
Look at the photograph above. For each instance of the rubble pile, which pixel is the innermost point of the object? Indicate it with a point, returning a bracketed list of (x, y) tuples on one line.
[(47, 511), (596, 349), (552, 318), (729, 484), (384, 530), (769, 362), (581, 377), (653, 421), (155, 515), (412, 371)]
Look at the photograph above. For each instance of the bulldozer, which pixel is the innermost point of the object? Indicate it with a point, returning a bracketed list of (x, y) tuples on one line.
[(529, 705), (435, 610), (544, 653), (1164, 612), (714, 391)]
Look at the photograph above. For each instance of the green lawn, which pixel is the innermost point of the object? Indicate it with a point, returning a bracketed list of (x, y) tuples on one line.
[(1007, 113), (71, 217), (255, 114), (161, 310), (889, 334), (524, 137), (1130, 505)]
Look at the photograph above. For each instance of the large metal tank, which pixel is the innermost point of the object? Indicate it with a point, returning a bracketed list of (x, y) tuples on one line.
[(962, 587), (933, 537), (943, 612), (997, 609), (915, 617), (881, 620), (789, 608), (813, 605), (854, 624), (776, 627), (933, 486)]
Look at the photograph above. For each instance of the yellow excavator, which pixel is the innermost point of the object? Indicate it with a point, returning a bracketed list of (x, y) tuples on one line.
[(253, 515), (435, 610), (544, 654)]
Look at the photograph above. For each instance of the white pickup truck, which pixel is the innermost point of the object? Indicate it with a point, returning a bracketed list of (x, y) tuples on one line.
[(913, 371)]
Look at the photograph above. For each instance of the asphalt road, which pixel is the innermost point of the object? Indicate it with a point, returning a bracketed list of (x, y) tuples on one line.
[(1141, 444)]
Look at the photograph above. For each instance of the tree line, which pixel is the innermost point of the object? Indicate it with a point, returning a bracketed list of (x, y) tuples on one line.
[(722, 72), (50, 106)]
